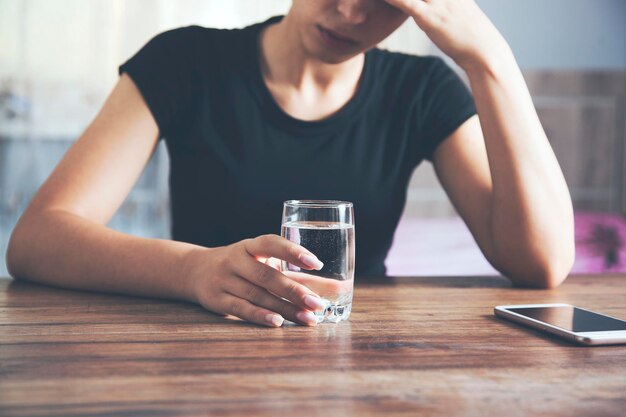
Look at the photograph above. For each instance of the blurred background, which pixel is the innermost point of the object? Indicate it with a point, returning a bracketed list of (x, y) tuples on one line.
[(59, 59)]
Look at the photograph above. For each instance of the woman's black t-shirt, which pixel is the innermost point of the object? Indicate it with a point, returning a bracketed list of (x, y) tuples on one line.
[(236, 156)]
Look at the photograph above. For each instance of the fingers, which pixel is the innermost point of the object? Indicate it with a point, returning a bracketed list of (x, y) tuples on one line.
[(410, 7), (258, 296), (247, 311), (268, 278), (267, 246), (252, 287), (274, 263), (417, 9)]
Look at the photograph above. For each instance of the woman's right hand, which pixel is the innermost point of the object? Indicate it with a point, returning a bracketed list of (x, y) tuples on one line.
[(236, 280)]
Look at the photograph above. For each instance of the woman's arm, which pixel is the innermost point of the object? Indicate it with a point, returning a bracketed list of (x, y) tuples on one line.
[(504, 179), (532, 217), (62, 238)]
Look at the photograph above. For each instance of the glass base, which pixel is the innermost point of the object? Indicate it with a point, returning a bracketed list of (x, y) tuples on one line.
[(335, 312)]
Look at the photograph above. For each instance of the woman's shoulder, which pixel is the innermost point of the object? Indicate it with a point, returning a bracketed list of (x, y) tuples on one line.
[(226, 40), (194, 35), (195, 45), (395, 62), (411, 72)]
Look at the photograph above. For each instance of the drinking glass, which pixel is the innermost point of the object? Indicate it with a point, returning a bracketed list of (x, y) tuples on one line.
[(326, 228)]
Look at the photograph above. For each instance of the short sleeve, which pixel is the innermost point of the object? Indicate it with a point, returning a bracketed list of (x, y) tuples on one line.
[(447, 104), (163, 71)]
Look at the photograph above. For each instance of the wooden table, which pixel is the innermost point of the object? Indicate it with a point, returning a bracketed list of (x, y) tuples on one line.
[(421, 345)]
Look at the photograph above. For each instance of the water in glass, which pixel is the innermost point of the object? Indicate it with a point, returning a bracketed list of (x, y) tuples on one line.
[(333, 244)]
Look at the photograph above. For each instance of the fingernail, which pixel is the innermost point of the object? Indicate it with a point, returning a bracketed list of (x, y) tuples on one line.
[(311, 261), (314, 302), (307, 317), (274, 319)]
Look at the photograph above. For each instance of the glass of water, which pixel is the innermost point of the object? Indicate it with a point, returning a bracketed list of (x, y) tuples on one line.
[(326, 228)]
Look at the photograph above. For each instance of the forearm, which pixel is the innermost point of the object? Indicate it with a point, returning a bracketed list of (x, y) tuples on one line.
[(532, 222), (59, 248)]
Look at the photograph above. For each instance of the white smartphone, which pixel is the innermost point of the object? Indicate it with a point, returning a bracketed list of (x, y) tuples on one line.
[(572, 323)]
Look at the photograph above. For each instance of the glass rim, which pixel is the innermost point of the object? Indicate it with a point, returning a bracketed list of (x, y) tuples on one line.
[(317, 203)]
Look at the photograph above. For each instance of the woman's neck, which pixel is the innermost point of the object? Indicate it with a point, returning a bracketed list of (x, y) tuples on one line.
[(304, 86)]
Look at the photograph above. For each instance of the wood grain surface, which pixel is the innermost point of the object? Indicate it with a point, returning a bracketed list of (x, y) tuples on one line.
[(413, 346)]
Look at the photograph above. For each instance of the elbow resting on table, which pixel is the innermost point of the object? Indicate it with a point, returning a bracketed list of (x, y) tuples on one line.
[(545, 273), (12, 255), (544, 278), (19, 250)]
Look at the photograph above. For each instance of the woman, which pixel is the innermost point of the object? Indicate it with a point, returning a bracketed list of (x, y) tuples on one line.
[(300, 106)]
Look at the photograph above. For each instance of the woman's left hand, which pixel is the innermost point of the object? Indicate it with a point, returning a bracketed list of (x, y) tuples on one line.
[(458, 27)]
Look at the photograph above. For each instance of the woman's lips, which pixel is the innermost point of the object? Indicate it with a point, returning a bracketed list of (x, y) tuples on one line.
[(334, 39)]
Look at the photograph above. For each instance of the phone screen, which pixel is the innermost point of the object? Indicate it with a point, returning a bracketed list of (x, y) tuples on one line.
[(572, 318)]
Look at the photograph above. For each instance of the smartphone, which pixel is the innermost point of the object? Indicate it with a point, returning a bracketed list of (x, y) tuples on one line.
[(572, 323)]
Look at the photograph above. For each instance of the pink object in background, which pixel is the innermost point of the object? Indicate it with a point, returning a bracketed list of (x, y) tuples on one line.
[(600, 239), (445, 246)]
